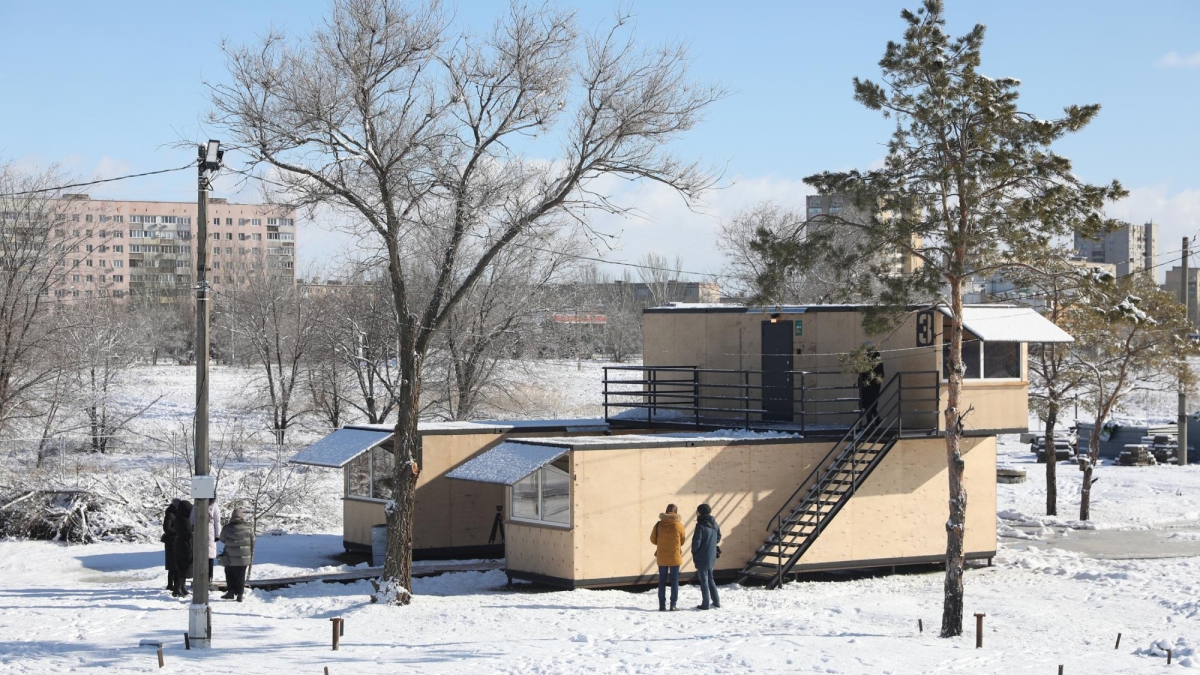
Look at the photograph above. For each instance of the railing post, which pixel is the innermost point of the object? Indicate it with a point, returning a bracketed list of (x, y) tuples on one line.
[(606, 393), (746, 396), (779, 550), (803, 415), (899, 405), (696, 395), (653, 397)]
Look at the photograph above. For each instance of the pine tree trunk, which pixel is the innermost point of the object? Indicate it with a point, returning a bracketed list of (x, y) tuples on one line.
[(401, 511), (1051, 460), (952, 609)]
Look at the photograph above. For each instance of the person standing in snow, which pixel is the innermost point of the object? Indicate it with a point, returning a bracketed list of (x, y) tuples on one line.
[(168, 541), (705, 538), (668, 536), (214, 531), (181, 548), (238, 537)]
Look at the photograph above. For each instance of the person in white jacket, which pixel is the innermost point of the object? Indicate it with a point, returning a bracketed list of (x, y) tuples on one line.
[(214, 532)]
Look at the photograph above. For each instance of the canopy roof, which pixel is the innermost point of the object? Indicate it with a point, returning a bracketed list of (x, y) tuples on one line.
[(1006, 323), (508, 462), (338, 448)]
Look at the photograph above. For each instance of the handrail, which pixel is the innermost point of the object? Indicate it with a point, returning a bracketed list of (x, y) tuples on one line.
[(870, 433)]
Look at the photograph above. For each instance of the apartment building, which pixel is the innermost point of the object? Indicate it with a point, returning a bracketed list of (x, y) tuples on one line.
[(1132, 248), (903, 263), (123, 249)]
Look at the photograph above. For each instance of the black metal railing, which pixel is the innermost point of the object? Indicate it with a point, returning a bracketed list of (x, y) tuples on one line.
[(806, 400), (908, 406)]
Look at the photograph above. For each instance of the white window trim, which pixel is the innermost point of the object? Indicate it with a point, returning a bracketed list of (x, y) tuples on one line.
[(538, 521)]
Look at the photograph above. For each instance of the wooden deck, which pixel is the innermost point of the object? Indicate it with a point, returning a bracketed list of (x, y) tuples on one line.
[(431, 569)]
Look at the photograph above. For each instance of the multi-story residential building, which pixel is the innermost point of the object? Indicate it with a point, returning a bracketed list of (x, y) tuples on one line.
[(902, 262), (121, 249), (1193, 280), (1132, 248)]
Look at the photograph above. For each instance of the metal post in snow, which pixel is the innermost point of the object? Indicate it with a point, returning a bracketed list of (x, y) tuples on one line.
[(1181, 433)]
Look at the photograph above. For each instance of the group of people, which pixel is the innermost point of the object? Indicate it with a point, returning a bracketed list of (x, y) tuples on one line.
[(179, 524), (669, 536)]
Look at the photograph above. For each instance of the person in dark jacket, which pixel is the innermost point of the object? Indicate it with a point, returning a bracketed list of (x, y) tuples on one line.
[(705, 538), (168, 541), (870, 383), (238, 537), (181, 548)]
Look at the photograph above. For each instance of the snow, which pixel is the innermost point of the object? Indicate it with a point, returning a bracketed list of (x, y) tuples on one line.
[(339, 447), (1054, 595), (997, 323), (84, 609), (508, 462)]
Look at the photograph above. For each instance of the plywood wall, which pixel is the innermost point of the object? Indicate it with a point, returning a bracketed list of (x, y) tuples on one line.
[(618, 495)]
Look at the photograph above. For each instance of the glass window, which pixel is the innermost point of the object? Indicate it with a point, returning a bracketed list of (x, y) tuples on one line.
[(556, 496), (544, 495), (525, 497), (1002, 360), (382, 472), (358, 476), (970, 355)]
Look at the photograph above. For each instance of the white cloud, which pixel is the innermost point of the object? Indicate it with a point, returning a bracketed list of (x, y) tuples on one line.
[(662, 223), (1175, 60)]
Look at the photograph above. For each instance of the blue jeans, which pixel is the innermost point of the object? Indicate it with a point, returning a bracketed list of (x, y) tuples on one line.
[(708, 588), (665, 573)]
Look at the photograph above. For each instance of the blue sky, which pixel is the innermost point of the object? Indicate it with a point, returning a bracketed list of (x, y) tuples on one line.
[(107, 88)]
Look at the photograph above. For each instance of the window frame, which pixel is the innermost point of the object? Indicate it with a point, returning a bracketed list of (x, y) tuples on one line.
[(541, 500), (982, 377), (370, 455)]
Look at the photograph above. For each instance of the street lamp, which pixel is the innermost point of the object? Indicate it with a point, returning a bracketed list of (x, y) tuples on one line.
[(203, 485)]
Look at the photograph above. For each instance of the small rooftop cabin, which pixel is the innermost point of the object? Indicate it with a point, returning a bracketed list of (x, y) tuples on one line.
[(749, 410)]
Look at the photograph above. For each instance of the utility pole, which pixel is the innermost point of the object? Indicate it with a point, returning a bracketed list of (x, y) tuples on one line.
[(203, 485), (1181, 432)]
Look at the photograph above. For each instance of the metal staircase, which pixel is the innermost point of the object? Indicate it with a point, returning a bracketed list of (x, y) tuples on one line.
[(907, 407)]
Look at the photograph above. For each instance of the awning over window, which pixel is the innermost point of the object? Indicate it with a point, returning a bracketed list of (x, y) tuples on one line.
[(507, 463), (338, 448), (1010, 324)]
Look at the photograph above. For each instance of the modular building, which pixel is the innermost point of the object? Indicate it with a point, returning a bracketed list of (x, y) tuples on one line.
[(809, 460)]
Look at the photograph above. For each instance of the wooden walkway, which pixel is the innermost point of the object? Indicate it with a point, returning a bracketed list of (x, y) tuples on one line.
[(423, 569)]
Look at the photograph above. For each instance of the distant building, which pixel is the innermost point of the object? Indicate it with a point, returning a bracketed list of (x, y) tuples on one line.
[(672, 291), (903, 262), (1132, 248), (999, 288), (121, 248), (1174, 287)]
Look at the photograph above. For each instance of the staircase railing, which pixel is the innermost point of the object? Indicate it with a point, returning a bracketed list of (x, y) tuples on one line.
[(874, 432)]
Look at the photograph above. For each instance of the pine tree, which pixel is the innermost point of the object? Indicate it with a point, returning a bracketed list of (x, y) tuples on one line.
[(969, 186)]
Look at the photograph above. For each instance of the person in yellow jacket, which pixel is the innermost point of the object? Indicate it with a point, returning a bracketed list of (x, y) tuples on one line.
[(668, 536)]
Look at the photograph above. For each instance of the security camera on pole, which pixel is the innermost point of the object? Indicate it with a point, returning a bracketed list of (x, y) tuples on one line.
[(203, 485)]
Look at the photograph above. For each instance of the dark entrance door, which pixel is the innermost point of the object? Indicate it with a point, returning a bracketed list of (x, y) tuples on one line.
[(777, 371)]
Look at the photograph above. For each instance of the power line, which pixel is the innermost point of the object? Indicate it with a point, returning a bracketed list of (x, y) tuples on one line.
[(97, 182)]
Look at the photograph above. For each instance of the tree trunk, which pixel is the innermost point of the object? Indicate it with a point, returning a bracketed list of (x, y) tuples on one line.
[(401, 510), (1085, 490), (952, 609), (1051, 460)]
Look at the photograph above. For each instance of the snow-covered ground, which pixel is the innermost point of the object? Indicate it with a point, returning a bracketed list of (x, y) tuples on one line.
[(1049, 598)]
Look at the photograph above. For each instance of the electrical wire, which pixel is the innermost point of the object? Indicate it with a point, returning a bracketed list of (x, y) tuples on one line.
[(97, 182)]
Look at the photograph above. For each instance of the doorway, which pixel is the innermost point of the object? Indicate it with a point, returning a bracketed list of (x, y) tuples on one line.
[(777, 371)]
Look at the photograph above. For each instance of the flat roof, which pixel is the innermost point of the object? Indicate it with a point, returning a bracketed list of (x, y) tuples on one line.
[(564, 425), (676, 439)]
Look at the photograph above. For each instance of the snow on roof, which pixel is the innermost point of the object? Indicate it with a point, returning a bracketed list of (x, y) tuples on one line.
[(1006, 323), (566, 424), (339, 447), (508, 462)]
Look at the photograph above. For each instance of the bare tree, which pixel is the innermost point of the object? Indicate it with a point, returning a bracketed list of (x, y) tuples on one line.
[(426, 140), (104, 345), (277, 326), (1129, 336), (661, 276), (34, 247)]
